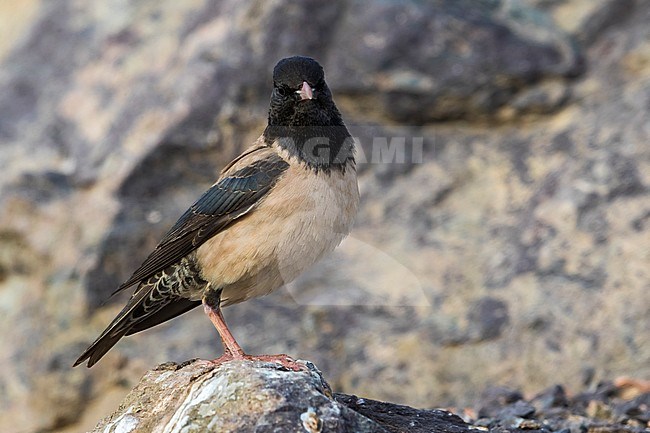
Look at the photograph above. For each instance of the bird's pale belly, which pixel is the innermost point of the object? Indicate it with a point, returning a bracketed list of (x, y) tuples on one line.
[(305, 218)]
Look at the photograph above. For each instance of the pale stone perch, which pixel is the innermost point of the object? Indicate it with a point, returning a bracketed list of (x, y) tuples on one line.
[(253, 396)]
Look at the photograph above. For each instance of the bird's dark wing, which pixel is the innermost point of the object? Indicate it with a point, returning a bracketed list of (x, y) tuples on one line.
[(232, 197)]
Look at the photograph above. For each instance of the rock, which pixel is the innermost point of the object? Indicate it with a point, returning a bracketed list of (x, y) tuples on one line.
[(241, 396), (547, 400), (424, 61), (399, 418), (588, 20), (604, 409), (489, 317), (495, 398)]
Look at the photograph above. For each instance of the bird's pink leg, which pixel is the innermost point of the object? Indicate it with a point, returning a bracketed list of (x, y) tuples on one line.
[(232, 350)]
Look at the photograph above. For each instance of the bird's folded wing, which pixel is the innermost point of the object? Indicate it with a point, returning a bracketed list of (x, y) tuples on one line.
[(235, 194)]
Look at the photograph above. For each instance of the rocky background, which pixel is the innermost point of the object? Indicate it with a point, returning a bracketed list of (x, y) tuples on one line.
[(513, 249)]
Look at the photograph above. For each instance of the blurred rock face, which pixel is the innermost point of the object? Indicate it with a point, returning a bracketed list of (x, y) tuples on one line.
[(503, 236)]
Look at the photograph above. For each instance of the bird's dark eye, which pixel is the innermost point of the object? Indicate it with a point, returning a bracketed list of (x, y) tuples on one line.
[(282, 91)]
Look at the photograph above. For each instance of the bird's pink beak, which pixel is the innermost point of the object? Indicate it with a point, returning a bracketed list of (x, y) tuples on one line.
[(306, 92)]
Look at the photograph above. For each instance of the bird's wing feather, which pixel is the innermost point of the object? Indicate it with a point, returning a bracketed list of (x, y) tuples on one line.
[(168, 312), (157, 299), (234, 195)]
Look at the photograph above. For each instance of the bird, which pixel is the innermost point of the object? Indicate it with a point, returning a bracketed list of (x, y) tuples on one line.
[(274, 211)]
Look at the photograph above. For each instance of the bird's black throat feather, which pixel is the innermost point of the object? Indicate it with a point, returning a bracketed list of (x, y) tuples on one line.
[(321, 148)]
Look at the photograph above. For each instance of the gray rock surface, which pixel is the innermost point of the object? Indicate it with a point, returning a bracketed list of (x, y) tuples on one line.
[(247, 396), (513, 249)]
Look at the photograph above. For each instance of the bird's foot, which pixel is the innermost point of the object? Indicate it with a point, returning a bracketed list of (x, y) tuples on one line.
[(284, 360)]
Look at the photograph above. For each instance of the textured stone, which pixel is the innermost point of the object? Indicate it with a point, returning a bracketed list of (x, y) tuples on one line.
[(417, 62), (242, 396), (604, 408)]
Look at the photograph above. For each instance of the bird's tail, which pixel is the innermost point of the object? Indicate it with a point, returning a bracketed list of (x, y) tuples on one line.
[(109, 338), (98, 349), (151, 304)]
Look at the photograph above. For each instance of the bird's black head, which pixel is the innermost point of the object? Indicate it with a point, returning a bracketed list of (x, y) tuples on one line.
[(303, 117), (300, 95), (292, 72)]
